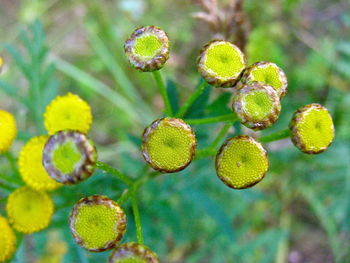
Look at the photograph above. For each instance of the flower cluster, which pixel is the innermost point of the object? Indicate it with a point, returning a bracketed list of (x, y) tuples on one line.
[(169, 144)]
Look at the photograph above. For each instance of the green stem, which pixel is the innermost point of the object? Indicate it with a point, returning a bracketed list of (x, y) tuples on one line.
[(275, 136), (137, 217), (108, 169), (163, 91), (228, 117), (188, 103)]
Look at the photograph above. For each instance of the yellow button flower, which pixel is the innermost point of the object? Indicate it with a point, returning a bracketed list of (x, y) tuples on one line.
[(133, 253), (257, 105), (69, 157), (241, 162), (29, 210), (147, 49), (168, 145), (8, 130), (67, 112), (31, 167), (97, 223), (312, 129), (221, 63), (267, 73), (1, 63), (7, 240)]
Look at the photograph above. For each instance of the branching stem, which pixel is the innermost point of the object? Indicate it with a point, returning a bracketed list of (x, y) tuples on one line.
[(163, 92)]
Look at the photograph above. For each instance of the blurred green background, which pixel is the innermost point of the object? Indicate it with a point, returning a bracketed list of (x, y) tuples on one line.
[(300, 213)]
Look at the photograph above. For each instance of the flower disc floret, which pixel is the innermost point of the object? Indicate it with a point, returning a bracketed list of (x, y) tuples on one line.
[(69, 157), (31, 165), (147, 49), (168, 145), (133, 253), (8, 130), (29, 210), (312, 128), (257, 105), (67, 112), (267, 73), (241, 162), (221, 63), (97, 223), (7, 240)]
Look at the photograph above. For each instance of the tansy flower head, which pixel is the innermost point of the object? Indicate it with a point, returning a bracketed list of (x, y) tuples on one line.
[(67, 112), (97, 223), (69, 157), (312, 129), (257, 105), (1, 63), (133, 253), (31, 166), (241, 162), (7, 240), (221, 63), (168, 145), (29, 210), (267, 73), (8, 130), (147, 49)]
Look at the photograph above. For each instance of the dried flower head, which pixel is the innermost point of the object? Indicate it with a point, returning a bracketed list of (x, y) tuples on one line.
[(312, 129), (221, 63), (97, 223), (267, 73), (257, 105), (241, 162), (69, 157), (67, 112), (133, 253), (8, 130), (168, 145), (31, 166), (29, 210), (147, 49), (7, 240)]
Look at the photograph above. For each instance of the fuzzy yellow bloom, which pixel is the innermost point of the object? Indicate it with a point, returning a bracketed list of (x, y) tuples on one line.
[(68, 112), (8, 130), (1, 63), (31, 167), (29, 210), (7, 240)]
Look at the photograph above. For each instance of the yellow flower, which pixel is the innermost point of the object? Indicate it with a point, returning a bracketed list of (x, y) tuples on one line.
[(147, 49), (1, 63), (241, 162), (312, 129), (31, 167), (7, 240), (133, 253), (8, 130), (221, 63), (168, 145), (29, 210), (67, 112), (97, 223)]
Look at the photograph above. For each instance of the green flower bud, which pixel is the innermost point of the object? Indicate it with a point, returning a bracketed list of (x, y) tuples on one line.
[(168, 145), (312, 129), (257, 105), (133, 253), (147, 49), (221, 63), (69, 157), (267, 73), (97, 223), (241, 162)]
